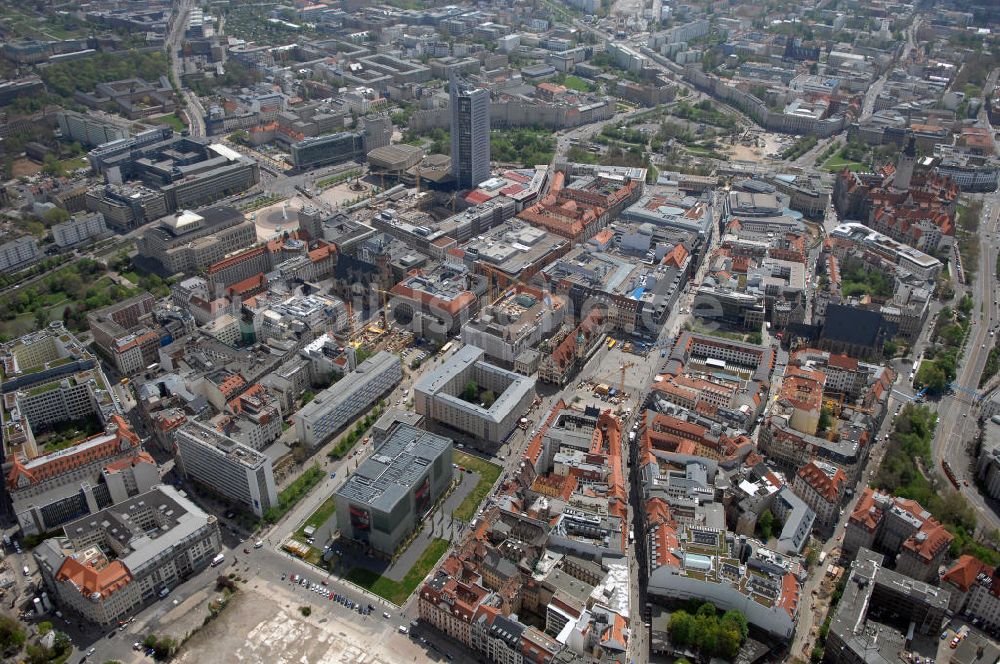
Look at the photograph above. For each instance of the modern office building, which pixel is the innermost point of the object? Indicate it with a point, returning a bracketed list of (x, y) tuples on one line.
[(80, 228), (330, 149), (188, 172), (470, 133), (108, 154), (349, 397), (229, 468), (913, 260), (501, 397), (988, 467), (107, 565), (383, 501), (89, 129), (18, 253), (880, 612), (126, 206)]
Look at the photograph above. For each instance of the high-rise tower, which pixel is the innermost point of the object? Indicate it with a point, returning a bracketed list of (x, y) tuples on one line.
[(470, 133), (904, 167)]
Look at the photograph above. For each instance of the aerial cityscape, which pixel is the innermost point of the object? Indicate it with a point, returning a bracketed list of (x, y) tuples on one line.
[(508, 332)]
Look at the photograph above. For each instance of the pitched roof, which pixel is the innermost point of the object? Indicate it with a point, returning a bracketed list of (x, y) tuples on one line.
[(964, 572), (93, 581), (118, 439), (852, 325), (828, 485)]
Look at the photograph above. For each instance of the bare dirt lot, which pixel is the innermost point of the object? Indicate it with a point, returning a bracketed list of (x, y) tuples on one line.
[(24, 167), (264, 624)]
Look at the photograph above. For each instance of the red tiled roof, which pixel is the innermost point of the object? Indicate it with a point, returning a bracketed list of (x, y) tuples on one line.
[(476, 197), (830, 488), (94, 582), (964, 572), (116, 439), (844, 362), (789, 598)]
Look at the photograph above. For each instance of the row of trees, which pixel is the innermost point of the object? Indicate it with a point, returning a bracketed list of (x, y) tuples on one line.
[(293, 493), (356, 434), (706, 631)]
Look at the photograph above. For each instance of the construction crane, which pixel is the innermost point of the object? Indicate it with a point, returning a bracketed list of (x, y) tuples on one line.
[(621, 384), (385, 306)]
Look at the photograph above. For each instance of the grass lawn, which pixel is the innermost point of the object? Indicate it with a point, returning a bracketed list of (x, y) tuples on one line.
[(488, 474), (131, 276), (175, 122), (577, 83), (836, 163), (704, 152), (75, 163), (317, 518), (397, 591)]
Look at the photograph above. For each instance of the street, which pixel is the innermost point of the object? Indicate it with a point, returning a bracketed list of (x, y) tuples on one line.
[(958, 411)]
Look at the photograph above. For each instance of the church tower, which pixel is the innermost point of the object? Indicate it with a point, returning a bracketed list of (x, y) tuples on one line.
[(904, 168)]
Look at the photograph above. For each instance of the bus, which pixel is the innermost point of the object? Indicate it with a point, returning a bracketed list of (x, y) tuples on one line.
[(611, 343), (445, 348)]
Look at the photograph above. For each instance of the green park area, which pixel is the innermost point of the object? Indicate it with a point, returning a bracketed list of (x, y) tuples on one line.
[(907, 471), (526, 146), (397, 591), (173, 120), (578, 84), (66, 78), (488, 474), (852, 156), (939, 366), (66, 294), (857, 278), (836, 163)]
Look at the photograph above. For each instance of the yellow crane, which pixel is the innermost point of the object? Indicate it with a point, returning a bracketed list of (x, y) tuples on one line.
[(621, 384), (385, 306)]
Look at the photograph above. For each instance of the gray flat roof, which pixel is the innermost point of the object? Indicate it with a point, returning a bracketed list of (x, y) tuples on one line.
[(436, 381), (398, 463)]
